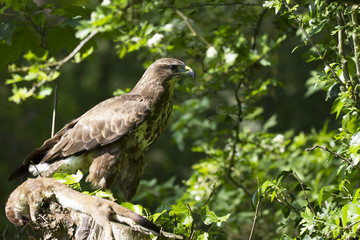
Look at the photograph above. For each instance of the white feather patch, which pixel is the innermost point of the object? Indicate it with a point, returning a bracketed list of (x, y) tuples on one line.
[(38, 168)]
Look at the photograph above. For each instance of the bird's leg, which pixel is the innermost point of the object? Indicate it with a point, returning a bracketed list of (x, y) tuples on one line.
[(104, 167)]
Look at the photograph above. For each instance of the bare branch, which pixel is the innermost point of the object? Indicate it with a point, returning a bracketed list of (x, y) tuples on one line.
[(192, 30), (211, 194), (256, 30), (348, 160), (303, 189), (54, 108), (236, 139), (256, 213)]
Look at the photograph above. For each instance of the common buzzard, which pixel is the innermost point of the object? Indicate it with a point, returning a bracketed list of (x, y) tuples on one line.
[(109, 140)]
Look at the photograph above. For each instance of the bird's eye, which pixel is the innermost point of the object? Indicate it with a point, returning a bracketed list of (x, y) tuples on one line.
[(173, 67)]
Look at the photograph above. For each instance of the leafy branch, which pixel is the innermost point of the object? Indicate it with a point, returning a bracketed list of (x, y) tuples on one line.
[(348, 160), (303, 189), (356, 42), (59, 64), (347, 227), (309, 39), (219, 4)]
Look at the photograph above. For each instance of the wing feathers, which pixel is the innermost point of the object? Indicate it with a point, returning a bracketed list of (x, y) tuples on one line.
[(101, 125)]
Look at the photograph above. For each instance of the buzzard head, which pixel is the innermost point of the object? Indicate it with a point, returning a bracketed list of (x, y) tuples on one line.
[(164, 72), (171, 68)]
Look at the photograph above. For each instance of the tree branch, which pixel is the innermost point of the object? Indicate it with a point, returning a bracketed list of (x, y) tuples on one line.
[(236, 139), (59, 64), (303, 189), (218, 4), (192, 30), (356, 43), (332, 152), (346, 228), (192, 231), (314, 46), (60, 212), (256, 30), (341, 47), (256, 213)]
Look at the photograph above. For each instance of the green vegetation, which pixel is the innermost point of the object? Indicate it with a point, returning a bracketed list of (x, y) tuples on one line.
[(266, 146)]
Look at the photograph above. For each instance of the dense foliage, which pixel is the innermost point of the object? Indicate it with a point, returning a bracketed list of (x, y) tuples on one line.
[(253, 176)]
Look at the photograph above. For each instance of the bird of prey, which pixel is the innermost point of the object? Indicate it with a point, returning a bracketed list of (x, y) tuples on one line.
[(109, 140)]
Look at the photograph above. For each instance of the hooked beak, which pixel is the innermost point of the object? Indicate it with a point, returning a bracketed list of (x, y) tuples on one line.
[(190, 72)]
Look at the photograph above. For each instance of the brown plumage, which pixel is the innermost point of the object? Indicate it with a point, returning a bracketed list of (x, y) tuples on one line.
[(109, 140)]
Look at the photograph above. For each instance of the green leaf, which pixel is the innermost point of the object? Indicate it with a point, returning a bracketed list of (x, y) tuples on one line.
[(273, 195), (264, 186), (285, 211), (155, 216), (104, 194), (356, 195), (320, 196), (7, 28), (44, 92), (59, 37), (338, 106), (135, 208), (68, 179), (15, 78), (211, 217), (204, 236), (39, 19), (188, 221), (20, 94), (344, 217)]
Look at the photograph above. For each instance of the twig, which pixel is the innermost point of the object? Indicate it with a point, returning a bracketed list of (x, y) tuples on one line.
[(314, 46), (346, 228), (39, 29), (332, 152), (192, 30), (192, 232), (5, 232), (256, 212), (343, 60), (36, 168), (59, 64), (236, 139), (54, 108), (346, 31), (256, 31), (217, 4), (305, 195), (77, 49), (356, 42), (211, 194)]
